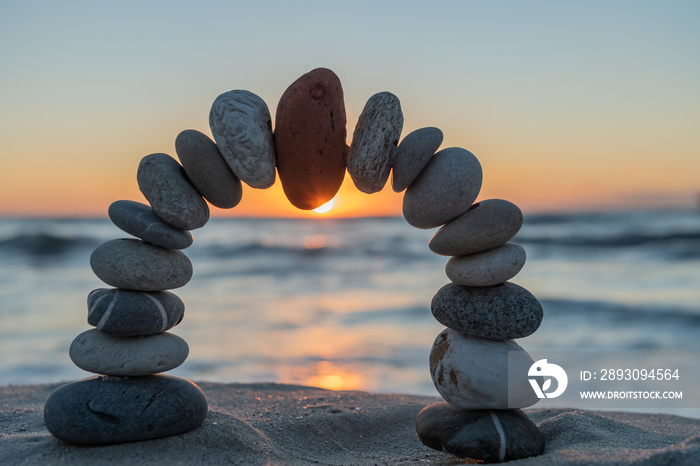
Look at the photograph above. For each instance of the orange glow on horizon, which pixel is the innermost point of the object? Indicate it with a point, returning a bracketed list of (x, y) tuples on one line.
[(349, 202), (535, 183)]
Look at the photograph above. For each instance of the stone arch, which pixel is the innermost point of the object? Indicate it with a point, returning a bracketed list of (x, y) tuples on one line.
[(130, 347)]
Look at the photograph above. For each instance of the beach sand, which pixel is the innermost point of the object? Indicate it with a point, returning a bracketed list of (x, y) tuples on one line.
[(294, 425)]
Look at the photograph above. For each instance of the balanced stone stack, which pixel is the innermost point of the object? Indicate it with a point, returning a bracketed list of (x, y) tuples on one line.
[(130, 345), (483, 313)]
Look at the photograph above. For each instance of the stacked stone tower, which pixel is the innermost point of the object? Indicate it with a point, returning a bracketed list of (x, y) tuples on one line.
[(130, 348), (483, 313)]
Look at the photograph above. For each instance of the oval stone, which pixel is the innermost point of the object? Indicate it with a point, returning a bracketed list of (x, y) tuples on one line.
[(97, 352), (139, 220), (102, 410), (486, 268), (375, 138), (242, 128), (207, 170), (473, 373), (486, 225), (134, 265), (444, 190), (501, 312), (310, 139), (492, 436), (166, 187), (133, 313), (412, 155)]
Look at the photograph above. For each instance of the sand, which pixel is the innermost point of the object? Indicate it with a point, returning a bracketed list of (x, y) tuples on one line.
[(294, 425)]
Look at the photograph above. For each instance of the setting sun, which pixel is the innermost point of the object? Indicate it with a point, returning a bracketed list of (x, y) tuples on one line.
[(325, 207)]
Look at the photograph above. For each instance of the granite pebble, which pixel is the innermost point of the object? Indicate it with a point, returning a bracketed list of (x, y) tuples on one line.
[(133, 313), (501, 312), (134, 265), (171, 194), (486, 225), (473, 373), (139, 220), (242, 128), (488, 435), (207, 169), (486, 268), (104, 410), (310, 132), (444, 190), (374, 140), (98, 352), (412, 155)]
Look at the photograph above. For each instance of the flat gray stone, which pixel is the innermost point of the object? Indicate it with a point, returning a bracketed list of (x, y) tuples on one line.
[(501, 312), (444, 190), (492, 436), (412, 155), (207, 169), (103, 410), (242, 128), (132, 264), (486, 268), (486, 225), (171, 194), (139, 220), (97, 352), (133, 313), (472, 373), (375, 138)]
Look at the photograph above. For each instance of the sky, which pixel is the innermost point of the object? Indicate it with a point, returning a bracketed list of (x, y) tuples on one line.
[(568, 105)]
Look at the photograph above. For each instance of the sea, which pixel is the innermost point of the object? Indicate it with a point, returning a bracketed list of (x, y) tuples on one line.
[(345, 303)]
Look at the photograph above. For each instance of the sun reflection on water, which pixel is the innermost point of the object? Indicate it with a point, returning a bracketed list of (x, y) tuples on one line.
[(325, 374), (315, 241)]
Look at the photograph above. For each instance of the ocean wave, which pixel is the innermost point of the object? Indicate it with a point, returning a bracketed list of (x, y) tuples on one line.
[(399, 252), (562, 219), (625, 240), (254, 249), (619, 314), (673, 237), (44, 244)]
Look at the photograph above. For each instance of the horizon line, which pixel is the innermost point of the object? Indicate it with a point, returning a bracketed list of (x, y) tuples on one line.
[(322, 217)]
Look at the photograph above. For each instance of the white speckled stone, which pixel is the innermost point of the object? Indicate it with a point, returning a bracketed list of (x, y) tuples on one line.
[(412, 155), (472, 373), (171, 194), (132, 264), (486, 268), (139, 220), (444, 190), (486, 225), (98, 352), (242, 128), (501, 312), (375, 138), (207, 169)]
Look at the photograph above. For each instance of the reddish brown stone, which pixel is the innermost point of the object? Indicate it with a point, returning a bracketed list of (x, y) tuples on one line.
[(310, 139)]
